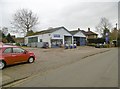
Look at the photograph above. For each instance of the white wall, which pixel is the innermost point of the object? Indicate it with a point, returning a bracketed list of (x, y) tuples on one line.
[(62, 32), (26, 38), (45, 38), (79, 34)]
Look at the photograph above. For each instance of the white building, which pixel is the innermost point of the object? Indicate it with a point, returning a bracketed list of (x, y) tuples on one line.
[(55, 37), (78, 37)]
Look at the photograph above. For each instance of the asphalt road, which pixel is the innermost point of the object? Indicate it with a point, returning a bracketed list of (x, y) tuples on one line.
[(100, 70)]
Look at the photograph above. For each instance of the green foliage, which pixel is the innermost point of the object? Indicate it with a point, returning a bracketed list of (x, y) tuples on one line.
[(114, 34), (96, 40), (10, 39), (92, 44), (106, 45), (17, 44), (3, 37)]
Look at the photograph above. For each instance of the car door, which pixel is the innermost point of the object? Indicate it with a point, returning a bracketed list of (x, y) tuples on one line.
[(19, 54), (7, 55)]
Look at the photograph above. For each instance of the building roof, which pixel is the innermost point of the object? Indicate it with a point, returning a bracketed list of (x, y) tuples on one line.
[(88, 32), (74, 32), (50, 30)]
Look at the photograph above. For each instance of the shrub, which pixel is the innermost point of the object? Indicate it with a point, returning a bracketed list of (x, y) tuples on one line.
[(92, 44), (17, 44)]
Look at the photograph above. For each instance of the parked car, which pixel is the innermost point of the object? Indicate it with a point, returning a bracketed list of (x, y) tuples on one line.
[(23, 44), (45, 45), (99, 45), (10, 55)]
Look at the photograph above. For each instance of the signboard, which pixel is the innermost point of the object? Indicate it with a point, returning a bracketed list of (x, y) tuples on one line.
[(107, 38), (57, 35)]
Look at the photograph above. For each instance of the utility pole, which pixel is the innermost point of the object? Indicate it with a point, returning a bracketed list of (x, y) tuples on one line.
[(117, 32), (116, 25)]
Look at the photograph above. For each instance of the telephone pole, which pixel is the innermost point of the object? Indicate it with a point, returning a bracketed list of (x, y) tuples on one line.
[(116, 26)]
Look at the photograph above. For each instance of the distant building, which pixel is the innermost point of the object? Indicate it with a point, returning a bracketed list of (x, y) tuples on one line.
[(78, 37), (54, 36), (19, 40), (89, 34)]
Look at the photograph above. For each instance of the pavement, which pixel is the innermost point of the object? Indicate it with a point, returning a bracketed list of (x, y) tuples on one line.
[(7, 79)]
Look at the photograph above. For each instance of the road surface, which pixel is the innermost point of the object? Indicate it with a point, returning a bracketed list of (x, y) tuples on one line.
[(100, 70)]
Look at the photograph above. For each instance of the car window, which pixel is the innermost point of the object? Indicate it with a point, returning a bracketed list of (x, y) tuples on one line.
[(8, 50), (18, 50)]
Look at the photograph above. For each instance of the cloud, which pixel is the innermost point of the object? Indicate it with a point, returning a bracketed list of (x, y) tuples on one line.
[(69, 13), (86, 14)]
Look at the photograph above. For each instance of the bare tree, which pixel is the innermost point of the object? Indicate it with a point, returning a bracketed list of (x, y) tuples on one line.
[(25, 20), (104, 26)]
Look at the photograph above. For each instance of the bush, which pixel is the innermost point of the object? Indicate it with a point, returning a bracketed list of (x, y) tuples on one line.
[(92, 44), (17, 44), (106, 46), (96, 40)]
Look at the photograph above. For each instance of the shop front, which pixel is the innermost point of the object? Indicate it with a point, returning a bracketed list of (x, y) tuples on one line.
[(56, 43), (68, 40), (82, 41), (77, 40)]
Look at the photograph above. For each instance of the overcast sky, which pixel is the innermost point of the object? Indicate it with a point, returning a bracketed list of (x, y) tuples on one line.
[(71, 14)]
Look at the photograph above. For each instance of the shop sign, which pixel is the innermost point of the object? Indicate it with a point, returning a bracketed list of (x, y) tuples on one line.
[(57, 35)]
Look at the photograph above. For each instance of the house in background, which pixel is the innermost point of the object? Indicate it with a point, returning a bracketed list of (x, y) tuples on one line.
[(89, 34), (19, 40), (78, 37)]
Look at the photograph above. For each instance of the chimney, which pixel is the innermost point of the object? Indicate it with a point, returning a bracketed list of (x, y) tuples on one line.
[(88, 29), (78, 29)]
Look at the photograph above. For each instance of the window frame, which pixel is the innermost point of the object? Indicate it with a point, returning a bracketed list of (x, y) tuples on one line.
[(8, 52), (17, 48)]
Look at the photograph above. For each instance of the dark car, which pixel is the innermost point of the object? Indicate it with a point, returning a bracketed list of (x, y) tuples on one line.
[(45, 45)]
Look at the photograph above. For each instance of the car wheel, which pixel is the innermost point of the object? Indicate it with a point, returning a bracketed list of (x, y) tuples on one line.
[(31, 60), (2, 65)]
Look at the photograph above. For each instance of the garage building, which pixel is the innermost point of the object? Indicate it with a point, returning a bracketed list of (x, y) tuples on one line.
[(54, 36), (78, 37)]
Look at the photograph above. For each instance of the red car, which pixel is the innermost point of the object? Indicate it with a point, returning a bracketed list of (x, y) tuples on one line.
[(13, 54)]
